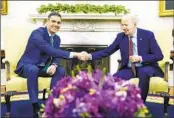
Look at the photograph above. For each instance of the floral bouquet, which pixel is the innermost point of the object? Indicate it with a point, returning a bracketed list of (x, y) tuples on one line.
[(94, 94)]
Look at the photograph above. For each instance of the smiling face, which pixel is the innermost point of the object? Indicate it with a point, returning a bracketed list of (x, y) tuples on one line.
[(128, 25), (53, 24)]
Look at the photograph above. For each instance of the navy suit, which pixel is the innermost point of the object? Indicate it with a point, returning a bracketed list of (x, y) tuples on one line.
[(147, 48), (34, 58)]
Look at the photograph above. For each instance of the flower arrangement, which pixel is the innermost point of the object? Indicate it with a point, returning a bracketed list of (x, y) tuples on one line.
[(94, 95)]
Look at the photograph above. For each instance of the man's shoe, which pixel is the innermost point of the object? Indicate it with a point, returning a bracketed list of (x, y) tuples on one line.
[(37, 115), (36, 110)]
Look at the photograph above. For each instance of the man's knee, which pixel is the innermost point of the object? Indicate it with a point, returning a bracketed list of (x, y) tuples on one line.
[(145, 72), (60, 71), (126, 75), (30, 70), (33, 69)]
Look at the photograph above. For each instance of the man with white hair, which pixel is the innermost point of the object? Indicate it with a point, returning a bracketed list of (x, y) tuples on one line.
[(139, 53)]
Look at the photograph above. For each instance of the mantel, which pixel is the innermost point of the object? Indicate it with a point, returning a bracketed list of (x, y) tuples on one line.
[(83, 22), (80, 17)]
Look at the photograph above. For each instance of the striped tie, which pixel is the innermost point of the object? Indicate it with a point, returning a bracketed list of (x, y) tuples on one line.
[(51, 40), (131, 53)]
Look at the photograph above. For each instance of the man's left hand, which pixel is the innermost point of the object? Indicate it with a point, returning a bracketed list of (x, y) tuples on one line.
[(51, 69), (135, 58)]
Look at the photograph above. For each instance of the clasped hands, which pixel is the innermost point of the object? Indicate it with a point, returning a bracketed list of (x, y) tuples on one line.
[(135, 58), (83, 56)]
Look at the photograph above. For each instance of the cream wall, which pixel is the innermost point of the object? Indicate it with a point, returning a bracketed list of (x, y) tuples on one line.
[(18, 14)]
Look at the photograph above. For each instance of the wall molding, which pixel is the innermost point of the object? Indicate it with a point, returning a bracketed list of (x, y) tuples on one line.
[(83, 22)]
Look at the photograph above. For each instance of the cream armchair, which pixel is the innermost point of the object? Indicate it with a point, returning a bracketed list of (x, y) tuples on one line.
[(15, 40), (160, 85)]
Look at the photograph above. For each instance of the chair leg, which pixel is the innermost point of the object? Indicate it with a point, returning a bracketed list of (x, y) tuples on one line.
[(166, 103), (44, 93), (8, 102)]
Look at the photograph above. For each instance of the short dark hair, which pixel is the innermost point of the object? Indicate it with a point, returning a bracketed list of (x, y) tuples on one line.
[(54, 14)]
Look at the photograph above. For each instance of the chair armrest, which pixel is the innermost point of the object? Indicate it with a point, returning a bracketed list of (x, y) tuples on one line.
[(7, 66), (166, 70), (170, 61)]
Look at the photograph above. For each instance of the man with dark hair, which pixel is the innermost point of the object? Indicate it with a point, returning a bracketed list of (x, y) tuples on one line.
[(54, 14), (41, 58)]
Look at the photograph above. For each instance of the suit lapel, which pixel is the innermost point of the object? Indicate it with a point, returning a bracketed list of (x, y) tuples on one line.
[(125, 46), (126, 39), (46, 34), (139, 41)]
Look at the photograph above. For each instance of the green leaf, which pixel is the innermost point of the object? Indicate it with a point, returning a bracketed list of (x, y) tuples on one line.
[(72, 73), (84, 8), (78, 68)]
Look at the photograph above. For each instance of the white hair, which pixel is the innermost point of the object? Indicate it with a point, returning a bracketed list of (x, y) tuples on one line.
[(131, 16)]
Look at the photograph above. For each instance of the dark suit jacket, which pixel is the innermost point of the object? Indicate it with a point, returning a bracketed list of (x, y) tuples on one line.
[(39, 49), (146, 44)]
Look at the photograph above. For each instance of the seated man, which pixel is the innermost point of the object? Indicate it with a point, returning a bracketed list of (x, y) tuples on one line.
[(139, 53), (41, 58)]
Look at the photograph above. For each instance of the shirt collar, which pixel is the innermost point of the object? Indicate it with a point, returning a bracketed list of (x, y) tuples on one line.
[(135, 33), (50, 34)]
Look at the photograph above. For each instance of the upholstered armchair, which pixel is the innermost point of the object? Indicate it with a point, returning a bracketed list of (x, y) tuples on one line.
[(15, 40), (160, 85)]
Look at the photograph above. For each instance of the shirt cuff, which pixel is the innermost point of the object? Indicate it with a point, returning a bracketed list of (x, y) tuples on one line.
[(71, 55), (141, 60), (90, 57)]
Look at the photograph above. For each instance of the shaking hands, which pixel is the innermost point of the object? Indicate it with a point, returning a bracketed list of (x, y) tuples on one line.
[(83, 56)]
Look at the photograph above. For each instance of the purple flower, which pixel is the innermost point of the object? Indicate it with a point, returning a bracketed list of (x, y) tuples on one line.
[(88, 96)]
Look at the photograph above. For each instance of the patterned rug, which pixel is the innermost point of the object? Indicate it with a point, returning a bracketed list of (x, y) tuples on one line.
[(21, 106), (150, 98)]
